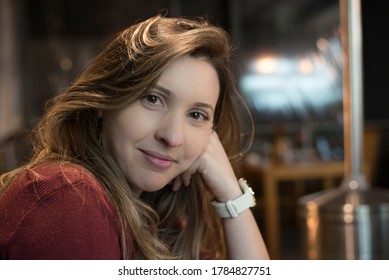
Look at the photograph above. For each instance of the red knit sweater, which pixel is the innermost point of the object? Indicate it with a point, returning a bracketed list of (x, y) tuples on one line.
[(58, 212)]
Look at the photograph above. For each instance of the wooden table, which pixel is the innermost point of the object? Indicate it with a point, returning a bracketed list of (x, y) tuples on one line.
[(272, 174)]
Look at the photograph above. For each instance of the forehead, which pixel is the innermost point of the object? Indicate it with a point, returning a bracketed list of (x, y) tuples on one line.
[(194, 77)]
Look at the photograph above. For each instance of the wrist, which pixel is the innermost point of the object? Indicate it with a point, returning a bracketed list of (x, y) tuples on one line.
[(232, 194), (233, 207)]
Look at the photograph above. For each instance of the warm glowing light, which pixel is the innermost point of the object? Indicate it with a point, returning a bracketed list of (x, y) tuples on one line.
[(322, 44), (353, 184), (66, 64), (293, 86), (348, 208), (266, 65), (348, 218), (311, 205), (306, 66)]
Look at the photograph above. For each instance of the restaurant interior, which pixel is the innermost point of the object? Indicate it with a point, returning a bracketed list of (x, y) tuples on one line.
[(315, 142)]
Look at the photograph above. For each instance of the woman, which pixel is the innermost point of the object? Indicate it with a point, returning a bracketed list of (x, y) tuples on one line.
[(133, 159)]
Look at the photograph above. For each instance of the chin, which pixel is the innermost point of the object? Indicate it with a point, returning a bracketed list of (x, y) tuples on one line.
[(153, 185)]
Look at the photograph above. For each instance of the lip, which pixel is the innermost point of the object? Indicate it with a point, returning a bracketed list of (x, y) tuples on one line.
[(158, 160)]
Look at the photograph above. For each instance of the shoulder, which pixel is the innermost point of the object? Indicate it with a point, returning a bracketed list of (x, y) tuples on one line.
[(46, 181), (64, 199), (51, 176), (34, 185)]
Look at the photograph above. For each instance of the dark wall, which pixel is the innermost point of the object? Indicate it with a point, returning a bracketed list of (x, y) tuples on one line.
[(375, 60)]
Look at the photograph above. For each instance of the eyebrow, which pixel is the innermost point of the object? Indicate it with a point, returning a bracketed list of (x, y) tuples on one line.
[(204, 105), (197, 104), (165, 90)]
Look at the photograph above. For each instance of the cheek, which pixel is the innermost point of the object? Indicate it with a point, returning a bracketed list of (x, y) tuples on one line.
[(196, 144), (118, 134), (121, 127)]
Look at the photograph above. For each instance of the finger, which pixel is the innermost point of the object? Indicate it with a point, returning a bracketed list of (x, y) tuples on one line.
[(177, 183), (186, 178), (187, 175)]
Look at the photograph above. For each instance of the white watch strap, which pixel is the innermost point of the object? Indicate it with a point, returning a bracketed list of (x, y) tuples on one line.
[(232, 208)]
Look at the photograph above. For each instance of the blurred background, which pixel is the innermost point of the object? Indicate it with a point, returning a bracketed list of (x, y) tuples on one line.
[(288, 62)]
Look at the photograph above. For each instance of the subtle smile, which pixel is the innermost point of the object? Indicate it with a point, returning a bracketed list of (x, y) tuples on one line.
[(158, 160)]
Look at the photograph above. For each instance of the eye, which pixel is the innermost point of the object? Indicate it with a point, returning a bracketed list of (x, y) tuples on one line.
[(153, 99), (199, 116)]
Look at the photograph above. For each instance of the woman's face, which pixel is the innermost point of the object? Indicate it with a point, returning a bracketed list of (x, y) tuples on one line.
[(161, 134)]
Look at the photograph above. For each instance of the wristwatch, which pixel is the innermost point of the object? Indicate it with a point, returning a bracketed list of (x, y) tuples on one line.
[(232, 208)]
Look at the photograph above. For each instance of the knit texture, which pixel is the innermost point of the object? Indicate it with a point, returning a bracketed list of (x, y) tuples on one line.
[(58, 211)]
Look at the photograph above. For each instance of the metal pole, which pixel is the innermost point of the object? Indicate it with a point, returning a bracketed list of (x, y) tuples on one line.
[(351, 34)]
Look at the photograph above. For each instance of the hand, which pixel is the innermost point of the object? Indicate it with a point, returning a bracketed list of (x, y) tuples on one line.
[(215, 170)]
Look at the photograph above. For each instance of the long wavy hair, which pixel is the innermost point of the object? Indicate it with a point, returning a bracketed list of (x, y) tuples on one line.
[(164, 224)]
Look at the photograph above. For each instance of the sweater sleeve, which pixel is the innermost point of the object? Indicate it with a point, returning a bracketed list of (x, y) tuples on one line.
[(73, 222)]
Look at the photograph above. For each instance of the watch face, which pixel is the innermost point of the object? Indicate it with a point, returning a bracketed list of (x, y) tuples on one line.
[(253, 195), (233, 208), (247, 189)]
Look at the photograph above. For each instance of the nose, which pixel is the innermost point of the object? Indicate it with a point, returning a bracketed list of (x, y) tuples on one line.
[(171, 131)]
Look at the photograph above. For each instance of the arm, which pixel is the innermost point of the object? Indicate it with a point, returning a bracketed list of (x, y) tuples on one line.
[(244, 240)]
